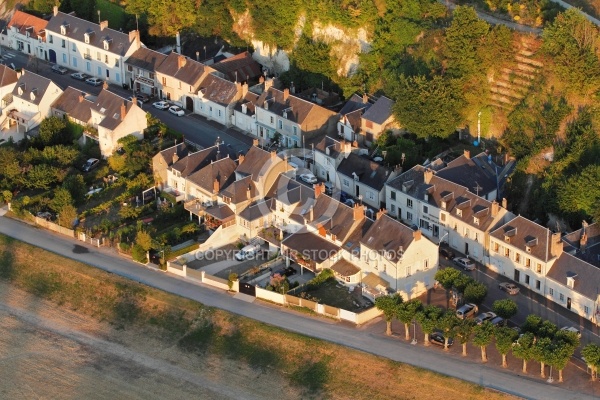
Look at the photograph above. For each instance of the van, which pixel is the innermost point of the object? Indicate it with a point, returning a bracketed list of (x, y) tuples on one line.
[(247, 252)]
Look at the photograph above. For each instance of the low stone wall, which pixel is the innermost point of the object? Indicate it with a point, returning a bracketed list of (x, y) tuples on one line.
[(54, 227), (271, 296)]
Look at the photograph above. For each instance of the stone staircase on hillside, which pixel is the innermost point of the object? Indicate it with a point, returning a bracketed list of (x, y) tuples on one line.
[(510, 84)]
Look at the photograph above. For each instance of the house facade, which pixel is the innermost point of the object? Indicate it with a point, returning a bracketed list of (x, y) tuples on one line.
[(328, 154), (140, 70), (8, 80), (376, 119), (27, 33), (217, 97), (244, 114), (349, 124), (94, 49)]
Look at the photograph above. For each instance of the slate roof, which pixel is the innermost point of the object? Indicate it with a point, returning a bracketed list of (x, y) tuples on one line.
[(335, 217), (388, 234), (243, 64), (257, 210), (299, 110), (221, 170), (256, 163), (7, 76), (345, 268), (222, 212), (195, 161), (191, 72), (586, 281), (218, 90), (77, 27), (591, 251), (249, 100), (352, 243), (473, 173), (311, 245), (238, 191), (146, 59), (333, 145), (353, 111), (74, 102), (109, 105), (380, 111), (522, 231), (181, 150), (22, 21), (369, 172), (31, 83)]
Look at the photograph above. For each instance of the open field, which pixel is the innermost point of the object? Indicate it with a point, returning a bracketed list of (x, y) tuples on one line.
[(68, 330)]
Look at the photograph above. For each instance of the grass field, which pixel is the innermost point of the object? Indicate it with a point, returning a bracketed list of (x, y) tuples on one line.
[(187, 333)]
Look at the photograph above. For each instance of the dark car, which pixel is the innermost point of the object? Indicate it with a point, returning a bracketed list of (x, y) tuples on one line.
[(90, 164), (447, 253), (438, 338), (289, 271)]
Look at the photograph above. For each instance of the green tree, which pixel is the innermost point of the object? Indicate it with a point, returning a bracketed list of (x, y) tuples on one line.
[(547, 329), (463, 333), (475, 293), (389, 306), (541, 350), (130, 212), (428, 318), (462, 281), (139, 254), (406, 313), (447, 276), (464, 37), (448, 323), (144, 240), (76, 187), (483, 335), (42, 176), (559, 355), (61, 198), (53, 130), (505, 338), (505, 308), (591, 353), (67, 216), (579, 193), (532, 324), (43, 6), (524, 349)]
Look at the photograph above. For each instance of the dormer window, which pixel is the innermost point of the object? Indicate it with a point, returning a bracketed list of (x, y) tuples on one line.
[(63, 30), (476, 220), (106, 43), (443, 205), (507, 239), (459, 212), (87, 37), (20, 89), (32, 94), (528, 249)]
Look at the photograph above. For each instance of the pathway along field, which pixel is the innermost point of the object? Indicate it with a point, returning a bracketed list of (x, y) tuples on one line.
[(90, 334)]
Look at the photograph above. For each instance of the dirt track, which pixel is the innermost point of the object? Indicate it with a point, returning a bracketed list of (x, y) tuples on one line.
[(47, 352)]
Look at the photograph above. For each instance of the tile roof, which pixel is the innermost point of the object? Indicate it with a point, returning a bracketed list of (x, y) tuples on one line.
[(335, 217), (334, 146), (7, 76), (352, 243), (297, 110), (345, 268), (109, 104), (310, 245), (243, 63), (22, 21), (256, 163), (195, 161), (181, 150), (249, 101), (30, 83), (353, 111), (380, 111), (119, 42), (388, 234), (218, 90), (369, 172), (473, 173), (373, 281), (146, 59), (222, 212), (238, 191), (524, 233), (221, 170), (586, 276), (191, 72), (74, 102)]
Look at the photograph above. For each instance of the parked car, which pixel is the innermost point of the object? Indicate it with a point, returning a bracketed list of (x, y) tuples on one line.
[(464, 263), (161, 105), (467, 311), (94, 81), (509, 288), (485, 316), (59, 70), (247, 252), (138, 101), (289, 271), (177, 111), (308, 178), (90, 164), (447, 253), (80, 76), (142, 97), (571, 329), (438, 338), (498, 321)]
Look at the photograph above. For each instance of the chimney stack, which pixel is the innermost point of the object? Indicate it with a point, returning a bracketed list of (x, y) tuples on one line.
[(583, 242), (241, 158), (81, 97), (504, 203), (105, 85), (495, 208), (175, 157), (178, 43), (556, 245), (310, 214), (255, 142), (103, 24), (273, 155), (244, 89), (380, 213), (55, 10), (180, 61), (319, 189), (417, 234), (357, 212), (261, 80), (268, 84), (467, 154), (216, 186), (248, 193), (133, 35), (365, 98), (123, 111), (286, 94), (428, 174)]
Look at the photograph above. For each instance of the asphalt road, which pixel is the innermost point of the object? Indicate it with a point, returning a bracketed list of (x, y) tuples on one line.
[(339, 333)]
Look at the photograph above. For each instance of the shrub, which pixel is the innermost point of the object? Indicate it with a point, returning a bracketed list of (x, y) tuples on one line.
[(139, 254), (232, 278)]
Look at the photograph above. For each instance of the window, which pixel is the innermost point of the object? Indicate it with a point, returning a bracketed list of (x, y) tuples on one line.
[(443, 217), (295, 129), (425, 209), (64, 58), (164, 80), (118, 77), (561, 297), (74, 47), (87, 38), (88, 67), (129, 68), (106, 45), (551, 291), (346, 183), (116, 62), (392, 195), (99, 71), (496, 246), (586, 309), (219, 113), (528, 262), (63, 43), (527, 279), (50, 39), (476, 237), (409, 216), (538, 284), (426, 264), (507, 252), (75, 62), (518, 258), (539, 268), (466, 232), (409, 203), (459, 212), (271, 119), (476, 220), (150, 75), (98, 57), (370, 195), (393, 209), (280, 124), (369, 124)]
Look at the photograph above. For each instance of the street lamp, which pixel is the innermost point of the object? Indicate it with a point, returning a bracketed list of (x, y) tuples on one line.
[(414, 341)]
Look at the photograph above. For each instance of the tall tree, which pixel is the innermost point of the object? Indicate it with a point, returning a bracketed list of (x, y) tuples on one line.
[(406, 313), (428, 318), (448, 323), (389, 306), (484, 334), (561, 352), (505, 308), (540, 353), (591, 353), (447, 276), (463, 332), (505, 338), (524, 349), (475, 292)]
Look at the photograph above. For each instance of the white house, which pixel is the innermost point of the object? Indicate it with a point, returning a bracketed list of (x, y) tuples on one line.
[(92, 48), (349, 124), (140, 70), (27, 33), (244, 114), (8, 80), (217, 97), (328, 155)]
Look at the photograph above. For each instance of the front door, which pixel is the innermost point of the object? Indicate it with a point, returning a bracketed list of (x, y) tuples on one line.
[(568, 303), (466, 249)]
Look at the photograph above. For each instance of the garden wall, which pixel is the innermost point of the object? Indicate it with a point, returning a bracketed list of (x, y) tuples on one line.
[(346, 315), (214, 281), (54, 227), (271, 296), (368, 315)]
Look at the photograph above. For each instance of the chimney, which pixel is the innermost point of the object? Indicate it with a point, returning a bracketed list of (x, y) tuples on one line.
[(241, 158), (428, 174), (103, 24), (81, 97), (417, 234), (346, 147), (504, 203), (273, 155), (261, 80), (248, 193), (357, 212), (467, 154), (268, 84), (180, 61), (281, 234), (178, 44), (310, 214), (105, 85), (583, 242), (244, 89), (556, 245), (133, 35), (365, 98), (175, 157), (495, 208), (255, 142), (134, 100), (319, 189), (216, 186), (286, 94), (55, 10), (123, 111), (244, 109), (380, 213)]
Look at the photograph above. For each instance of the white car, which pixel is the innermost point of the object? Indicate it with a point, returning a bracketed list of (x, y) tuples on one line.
[(94, 81), (308, 178), (571, 329), (464, 263), (161, 105), (80, 76), (248, 252), (177, 111)]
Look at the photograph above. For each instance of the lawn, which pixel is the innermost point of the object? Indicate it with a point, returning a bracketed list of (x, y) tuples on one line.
[(334, 294)]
